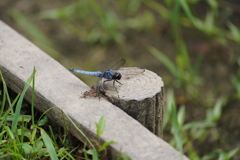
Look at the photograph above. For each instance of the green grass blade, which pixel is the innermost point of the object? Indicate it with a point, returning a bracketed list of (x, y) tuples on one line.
[(168, 107), (217, 109), (176, 130), (104, 145), (234, 32), (185, 61), (6, 115), (10, 133), (52, 135), (93, 153), (48, 142), (79, 130), (41, 117), (38, 37), (3, 94), (32, 104), (30, 28), (165, 60), (186, 9), (231, 153), (85, 152), (197, 65), (101, 126), (19, 103), (100, 12), (159, 8), (25, 118)]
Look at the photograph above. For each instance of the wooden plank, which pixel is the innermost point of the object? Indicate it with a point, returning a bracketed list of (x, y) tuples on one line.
[(56, 86)]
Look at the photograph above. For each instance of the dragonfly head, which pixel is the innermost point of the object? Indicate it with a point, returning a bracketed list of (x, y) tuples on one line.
[(117, 76)]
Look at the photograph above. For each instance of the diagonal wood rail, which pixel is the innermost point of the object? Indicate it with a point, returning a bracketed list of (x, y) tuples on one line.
[(56, 86)]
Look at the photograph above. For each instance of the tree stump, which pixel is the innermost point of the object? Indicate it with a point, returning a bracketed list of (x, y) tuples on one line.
[(141, 96)]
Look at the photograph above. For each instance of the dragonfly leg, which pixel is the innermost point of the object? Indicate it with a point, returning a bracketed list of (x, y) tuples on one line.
[(114, 84), (116, 88), (119, 82), (106, 81)]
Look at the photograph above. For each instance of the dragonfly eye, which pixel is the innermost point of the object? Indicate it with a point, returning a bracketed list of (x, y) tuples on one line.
[(117, 76)]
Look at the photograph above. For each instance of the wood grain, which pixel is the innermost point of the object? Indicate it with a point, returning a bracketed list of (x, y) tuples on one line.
[(141, 96)]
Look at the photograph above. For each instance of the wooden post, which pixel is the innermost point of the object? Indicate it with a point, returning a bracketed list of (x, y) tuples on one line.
[(56, 86), (141, 97)]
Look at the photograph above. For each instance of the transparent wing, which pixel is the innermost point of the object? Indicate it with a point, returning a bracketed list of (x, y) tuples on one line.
[(99, 86), (118, 65), (130, 72)]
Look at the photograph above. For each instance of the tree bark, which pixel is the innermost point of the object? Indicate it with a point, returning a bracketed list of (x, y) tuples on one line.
[(141, 96)]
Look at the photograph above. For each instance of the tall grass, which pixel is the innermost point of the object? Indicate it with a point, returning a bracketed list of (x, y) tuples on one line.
[(186, 134), (26, 138), (19, 141)]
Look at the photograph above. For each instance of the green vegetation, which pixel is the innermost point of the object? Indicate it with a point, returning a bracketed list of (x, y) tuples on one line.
[(26, 138), (187, 133), (104, 24)]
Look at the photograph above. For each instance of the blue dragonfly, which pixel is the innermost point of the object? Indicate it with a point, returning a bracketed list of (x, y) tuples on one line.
[(111, 74)]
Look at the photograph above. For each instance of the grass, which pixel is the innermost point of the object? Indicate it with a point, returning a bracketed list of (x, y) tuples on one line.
[(21, 137), (185, 75), (21, 141), (186, 134), (103, 23)]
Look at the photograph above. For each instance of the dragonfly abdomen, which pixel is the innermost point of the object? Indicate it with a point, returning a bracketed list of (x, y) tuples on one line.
[(98, 74)]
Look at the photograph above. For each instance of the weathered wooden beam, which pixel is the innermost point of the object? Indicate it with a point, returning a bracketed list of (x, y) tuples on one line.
[(56, 86)]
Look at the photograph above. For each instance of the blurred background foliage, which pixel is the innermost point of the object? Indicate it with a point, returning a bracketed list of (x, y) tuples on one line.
[(192, 44)]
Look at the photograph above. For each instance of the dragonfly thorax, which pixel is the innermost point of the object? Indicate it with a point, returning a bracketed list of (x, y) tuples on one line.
[(111, 75)]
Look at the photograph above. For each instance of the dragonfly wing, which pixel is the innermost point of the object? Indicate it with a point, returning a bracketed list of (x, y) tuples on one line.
[(104, 84), (119, 64), (99, 86)]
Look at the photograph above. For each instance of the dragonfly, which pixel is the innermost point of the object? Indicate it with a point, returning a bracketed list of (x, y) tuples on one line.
[(111, 74)]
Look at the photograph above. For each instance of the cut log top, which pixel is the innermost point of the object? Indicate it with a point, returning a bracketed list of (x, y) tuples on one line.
[(56, 86), (137, 84), (140, 95)]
